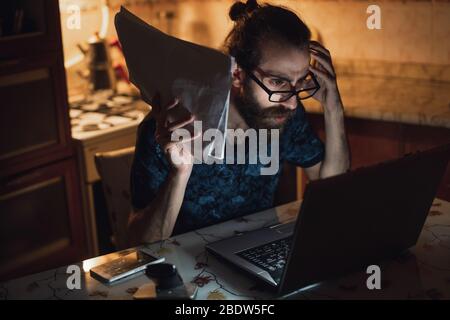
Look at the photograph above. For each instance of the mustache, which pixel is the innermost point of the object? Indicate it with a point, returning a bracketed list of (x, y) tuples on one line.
[(277, 111)]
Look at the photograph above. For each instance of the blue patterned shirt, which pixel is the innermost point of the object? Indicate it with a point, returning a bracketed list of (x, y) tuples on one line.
[(218, 192)]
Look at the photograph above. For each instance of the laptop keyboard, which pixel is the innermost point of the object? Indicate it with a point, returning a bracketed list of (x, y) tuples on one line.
[(271, 256)]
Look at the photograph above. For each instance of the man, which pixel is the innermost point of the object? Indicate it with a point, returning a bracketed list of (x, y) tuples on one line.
[(272, 49)]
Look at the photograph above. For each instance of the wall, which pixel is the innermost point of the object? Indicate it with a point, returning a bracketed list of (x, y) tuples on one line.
[(412, 31)]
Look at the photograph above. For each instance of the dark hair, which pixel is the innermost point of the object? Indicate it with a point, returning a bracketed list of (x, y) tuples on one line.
[(255, 23)]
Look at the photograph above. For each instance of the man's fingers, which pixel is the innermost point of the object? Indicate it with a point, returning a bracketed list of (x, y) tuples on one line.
[(180, 123), (165, 141), (165, 109), (187, 139), (163, 130), (323, 75), (196, 136), (319, 47), (172, 104), (161, 115), (324, 62)]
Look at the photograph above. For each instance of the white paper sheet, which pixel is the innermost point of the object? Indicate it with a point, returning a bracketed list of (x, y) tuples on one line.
[(199, 76)]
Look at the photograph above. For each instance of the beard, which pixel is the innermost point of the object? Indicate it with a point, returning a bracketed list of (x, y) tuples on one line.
[(258, 117)]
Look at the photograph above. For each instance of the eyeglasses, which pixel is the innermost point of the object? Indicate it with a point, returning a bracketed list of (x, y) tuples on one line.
[(281, 90)]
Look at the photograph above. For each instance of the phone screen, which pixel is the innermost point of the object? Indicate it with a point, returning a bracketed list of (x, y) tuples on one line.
[(129, 264)]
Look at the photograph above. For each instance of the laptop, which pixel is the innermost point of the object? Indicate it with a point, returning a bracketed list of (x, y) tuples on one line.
[(346, 223)]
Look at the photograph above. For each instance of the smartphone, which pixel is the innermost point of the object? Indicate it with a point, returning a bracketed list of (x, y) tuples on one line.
[(124, 266)]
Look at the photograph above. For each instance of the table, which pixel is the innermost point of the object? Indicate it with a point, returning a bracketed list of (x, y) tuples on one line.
[(424, 273)]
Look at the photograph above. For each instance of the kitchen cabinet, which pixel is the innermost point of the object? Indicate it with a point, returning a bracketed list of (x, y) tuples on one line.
[(28, 28), (34, 127), (41, 221), (40, 225)]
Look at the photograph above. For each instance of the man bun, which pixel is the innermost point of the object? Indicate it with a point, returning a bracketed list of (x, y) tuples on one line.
[(240, 10)]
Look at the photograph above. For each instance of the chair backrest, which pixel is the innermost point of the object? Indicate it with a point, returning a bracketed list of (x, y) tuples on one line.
[(114, 169)]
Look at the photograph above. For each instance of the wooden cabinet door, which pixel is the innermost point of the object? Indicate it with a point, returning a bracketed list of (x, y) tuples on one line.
[(370, 142), (34, 120), (36, 31), (41, 224)]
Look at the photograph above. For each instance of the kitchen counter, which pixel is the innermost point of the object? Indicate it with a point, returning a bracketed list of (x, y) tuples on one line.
[(424, 273), (404, 93)]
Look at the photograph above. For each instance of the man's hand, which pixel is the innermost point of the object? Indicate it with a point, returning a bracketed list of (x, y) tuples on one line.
[(180, 159), (328, 94), (337, 157), (156, 221)]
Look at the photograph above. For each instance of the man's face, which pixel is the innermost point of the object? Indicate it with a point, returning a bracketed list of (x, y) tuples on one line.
[(277, 60)]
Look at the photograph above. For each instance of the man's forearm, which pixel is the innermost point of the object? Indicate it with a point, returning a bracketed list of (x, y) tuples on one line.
[(337, 158), (157, 220)]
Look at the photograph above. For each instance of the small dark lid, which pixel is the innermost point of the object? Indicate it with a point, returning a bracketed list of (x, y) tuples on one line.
[(160, 270)]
